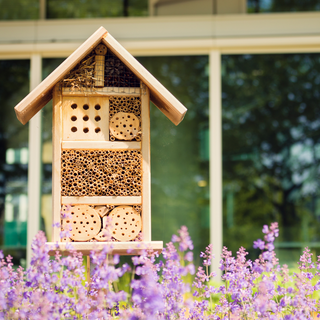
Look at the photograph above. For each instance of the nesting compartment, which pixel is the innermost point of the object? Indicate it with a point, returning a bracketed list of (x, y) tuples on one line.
[(101, 173), (87, 224)]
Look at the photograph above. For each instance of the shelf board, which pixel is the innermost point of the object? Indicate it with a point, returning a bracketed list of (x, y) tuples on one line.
[(122, 248), (100, 200), (103, 145), (105, 91)]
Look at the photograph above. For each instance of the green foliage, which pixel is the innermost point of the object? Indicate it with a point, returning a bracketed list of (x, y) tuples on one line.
[(19, 9), (62, 9)]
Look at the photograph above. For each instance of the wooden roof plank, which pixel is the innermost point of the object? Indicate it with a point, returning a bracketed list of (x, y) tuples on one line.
[(160, 96), (37, 98)]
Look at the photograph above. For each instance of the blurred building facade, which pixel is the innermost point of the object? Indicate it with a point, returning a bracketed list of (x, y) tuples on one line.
[(248, 151)]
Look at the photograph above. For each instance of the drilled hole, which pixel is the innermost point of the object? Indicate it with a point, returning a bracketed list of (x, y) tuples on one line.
[(74, 129), (85, 118), (97, 130), (85, 130), (97, 118), (74, 118), (74, 106), (97, 107), (85, 107)]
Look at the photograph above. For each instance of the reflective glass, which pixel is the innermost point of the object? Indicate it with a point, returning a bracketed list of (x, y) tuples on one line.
[(271, 150), (62, 9), (14, 85), (48, 65), (19, 10), (179, 155), (255, 6)]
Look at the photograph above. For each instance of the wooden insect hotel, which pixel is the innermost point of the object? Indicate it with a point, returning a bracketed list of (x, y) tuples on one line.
[(101, 144)]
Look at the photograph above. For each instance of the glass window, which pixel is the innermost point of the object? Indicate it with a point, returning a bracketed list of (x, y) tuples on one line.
[(179, 155), (14, 86), (61, 9), (48, 65), (19, 9), (255, 6), (271, 150)]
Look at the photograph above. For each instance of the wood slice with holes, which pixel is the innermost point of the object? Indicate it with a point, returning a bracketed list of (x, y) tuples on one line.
[(85, 223), (126, 223), (124, 126)]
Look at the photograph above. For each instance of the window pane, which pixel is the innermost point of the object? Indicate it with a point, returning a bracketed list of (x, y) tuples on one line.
[(19, 9), (179, 155), (48, 65), (271, 150), (14, 85), (255, 6), (61, 9)]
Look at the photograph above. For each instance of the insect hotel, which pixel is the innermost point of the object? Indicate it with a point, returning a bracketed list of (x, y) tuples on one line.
[(101, 144)]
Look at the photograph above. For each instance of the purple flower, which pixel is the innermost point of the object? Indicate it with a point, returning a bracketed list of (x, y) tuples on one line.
[(259, 244)]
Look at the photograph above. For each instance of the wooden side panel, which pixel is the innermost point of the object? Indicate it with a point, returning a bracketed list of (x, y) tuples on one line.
[(56, 161), (163, 99), (146, 174), (38, 97)]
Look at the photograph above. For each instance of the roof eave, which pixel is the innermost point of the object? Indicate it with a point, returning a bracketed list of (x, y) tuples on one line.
[(42, 94), (167, 103)]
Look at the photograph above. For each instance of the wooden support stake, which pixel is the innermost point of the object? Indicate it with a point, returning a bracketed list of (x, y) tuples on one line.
[(88, 270)]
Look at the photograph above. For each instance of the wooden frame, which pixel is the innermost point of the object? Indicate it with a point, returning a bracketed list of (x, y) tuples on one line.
[(146, 170), (56, 159), (62, 102)]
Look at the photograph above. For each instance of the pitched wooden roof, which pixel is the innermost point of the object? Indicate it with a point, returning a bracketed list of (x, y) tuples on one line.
[(42, 94)]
